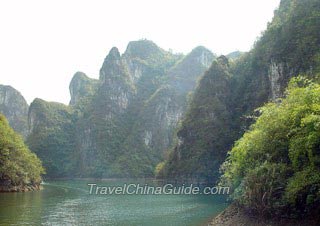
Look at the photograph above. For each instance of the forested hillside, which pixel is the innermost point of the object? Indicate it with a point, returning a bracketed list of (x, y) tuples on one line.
[(20, 169), (275, 167), (184, 113), (121, 124), (290, 46)]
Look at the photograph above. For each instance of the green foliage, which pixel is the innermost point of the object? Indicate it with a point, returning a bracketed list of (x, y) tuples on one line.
[(293, 34), (148, 53), (120, 141), (277, 162), (17, 163), (52, 137), (108, 135), (291, 43), (289, 47), (82, 90), (15, 108), (205, 133), (261, 187), (159, 168)]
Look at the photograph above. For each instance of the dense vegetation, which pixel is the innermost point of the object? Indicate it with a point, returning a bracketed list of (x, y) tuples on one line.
[(276, 164), (289, 47), (52, 137), (18, 165), (121, 124), (201, 135)]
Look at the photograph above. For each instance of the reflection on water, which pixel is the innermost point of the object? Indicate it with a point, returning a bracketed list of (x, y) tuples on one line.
[(69, 203)]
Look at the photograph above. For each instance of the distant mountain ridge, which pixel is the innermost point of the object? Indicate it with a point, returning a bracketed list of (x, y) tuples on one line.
[(121, 124)]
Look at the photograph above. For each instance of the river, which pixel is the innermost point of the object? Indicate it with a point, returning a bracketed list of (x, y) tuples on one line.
[(68, 202)]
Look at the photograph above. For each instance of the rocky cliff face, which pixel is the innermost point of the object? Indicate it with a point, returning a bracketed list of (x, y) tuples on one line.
[(51, 136), (82, 88), (15, 108), (289, 47), (137, 108), (201, 139), (159, 116), (123, 123), (117, 89)]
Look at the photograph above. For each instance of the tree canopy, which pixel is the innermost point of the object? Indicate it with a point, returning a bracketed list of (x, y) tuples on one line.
[(276, 163), (17, 163)]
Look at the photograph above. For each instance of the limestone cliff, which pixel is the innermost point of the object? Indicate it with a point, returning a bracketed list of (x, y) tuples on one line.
[(205, 132), (288, 48), (123, 123), (126, 82), (51, 136), (153, 131), (15, 108), (82, 88)]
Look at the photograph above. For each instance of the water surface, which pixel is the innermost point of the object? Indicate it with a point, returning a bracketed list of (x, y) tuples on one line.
[(69, 203)]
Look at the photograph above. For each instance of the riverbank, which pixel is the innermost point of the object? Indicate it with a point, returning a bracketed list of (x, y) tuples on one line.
[(8, 187), (237, 216)]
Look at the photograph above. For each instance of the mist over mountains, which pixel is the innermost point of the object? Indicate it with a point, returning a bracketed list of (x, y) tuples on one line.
[(150, 106), (120, 125)]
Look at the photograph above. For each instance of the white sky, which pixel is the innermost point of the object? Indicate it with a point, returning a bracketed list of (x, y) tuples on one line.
[(43, 43)]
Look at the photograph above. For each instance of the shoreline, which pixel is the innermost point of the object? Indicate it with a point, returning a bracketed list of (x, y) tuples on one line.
[(20, 188), (235, 215), (138, 179), (93, 178)]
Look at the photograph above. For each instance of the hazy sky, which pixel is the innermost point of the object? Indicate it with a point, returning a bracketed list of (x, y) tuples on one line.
[(43, 43)]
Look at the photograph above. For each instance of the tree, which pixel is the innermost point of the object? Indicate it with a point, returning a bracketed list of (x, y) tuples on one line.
[(276, 164), (18, 164)]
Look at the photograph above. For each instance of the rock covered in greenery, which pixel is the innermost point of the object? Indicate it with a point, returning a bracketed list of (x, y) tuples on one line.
[(205, 131), (275, 166), (82, 88), (289, 47), (51, 136), (122, 124), (20, 169), (131, 138), (15, 108), (153, 131), (234, 55)]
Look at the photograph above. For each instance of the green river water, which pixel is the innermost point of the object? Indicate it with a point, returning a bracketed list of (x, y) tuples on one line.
[(68, 202)]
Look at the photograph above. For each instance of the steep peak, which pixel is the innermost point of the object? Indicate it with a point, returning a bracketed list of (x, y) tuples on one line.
[(235, 55), (38, 102), (223, 60), (48, 114), (7, 88), (219, 68), (143, 49), (114, 53), (15, 108), (111, 64), (42, 106), (201, 55), (81, 86), (199, 50), (79, 76)]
